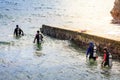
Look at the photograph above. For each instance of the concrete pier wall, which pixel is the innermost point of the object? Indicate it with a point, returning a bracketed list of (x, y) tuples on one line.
[(82, 39)]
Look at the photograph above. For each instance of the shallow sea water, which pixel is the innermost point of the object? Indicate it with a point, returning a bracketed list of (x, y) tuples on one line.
[(55, 59)]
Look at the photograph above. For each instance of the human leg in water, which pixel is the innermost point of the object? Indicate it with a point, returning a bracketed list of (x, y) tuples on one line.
[(39, 46)]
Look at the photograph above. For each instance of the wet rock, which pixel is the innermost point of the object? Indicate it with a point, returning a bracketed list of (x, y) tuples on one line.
[(115, 12)]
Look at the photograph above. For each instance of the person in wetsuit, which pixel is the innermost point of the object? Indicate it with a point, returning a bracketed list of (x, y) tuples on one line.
[(38, 37), (18, 31), (105, 61), (90, 51)]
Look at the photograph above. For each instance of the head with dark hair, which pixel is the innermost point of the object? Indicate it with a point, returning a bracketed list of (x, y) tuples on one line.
[(38, 31), (105, 49), (17, 26), (91, 44)]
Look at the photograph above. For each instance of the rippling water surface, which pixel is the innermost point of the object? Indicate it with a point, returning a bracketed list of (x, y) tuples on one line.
[(20, 59)]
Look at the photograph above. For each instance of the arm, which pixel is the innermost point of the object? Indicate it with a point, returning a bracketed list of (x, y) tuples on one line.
[(104, 57), (88, 50), (41, 37), (34, 39), (14, 31), (22, 31)]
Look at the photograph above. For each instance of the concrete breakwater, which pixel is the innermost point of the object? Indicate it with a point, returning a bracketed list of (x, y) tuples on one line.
[(82, 39)]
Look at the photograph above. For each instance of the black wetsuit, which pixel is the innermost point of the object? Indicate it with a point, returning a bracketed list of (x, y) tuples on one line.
[(107, 59), (39, 38), (18, 32), (91, 53)]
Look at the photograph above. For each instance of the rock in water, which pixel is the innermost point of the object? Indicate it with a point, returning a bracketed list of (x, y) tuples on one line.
[(115, 12)]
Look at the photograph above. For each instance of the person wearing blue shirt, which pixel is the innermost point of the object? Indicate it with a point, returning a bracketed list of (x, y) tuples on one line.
[(90, 51)]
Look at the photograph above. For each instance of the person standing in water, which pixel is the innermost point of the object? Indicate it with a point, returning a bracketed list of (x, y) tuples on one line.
[(18, 32), (107, 58), (38, 37), (91, 51)]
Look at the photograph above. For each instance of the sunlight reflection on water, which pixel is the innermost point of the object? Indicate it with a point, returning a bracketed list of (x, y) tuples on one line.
[(57, 59)]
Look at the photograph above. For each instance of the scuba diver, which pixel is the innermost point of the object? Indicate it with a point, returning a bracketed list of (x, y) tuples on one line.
[(91, 51), (38, 37), (107, 58), (18, 32)]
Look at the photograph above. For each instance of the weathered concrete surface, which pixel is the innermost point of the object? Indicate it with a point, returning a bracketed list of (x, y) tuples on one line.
[(82, 39), (116, 12)]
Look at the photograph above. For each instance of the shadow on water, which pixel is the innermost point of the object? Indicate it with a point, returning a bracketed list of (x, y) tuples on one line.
[(4, 43), (17, 37), (91, 62), (77, 48), (106, 71)]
